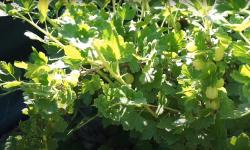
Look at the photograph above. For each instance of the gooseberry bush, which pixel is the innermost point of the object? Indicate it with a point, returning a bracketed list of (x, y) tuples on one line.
[(172, 73)]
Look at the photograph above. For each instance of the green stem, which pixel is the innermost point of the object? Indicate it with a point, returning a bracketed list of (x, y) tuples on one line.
[(113, 4), (13, 76), (150, 111), (51, 22), (41, 30), (82, 123), (8, 92), (143, 8), (245, 11), (165, 107), (245, 38), (146, 106), (163, 22)]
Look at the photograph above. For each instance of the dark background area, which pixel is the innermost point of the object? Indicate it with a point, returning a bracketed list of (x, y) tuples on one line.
[(14, 45)]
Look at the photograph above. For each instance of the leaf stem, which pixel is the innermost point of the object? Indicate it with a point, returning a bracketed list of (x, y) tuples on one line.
[(82, 123), (245, 38), (8, 92), (165, 107), (113, 4), (150, 111), (163, 22)]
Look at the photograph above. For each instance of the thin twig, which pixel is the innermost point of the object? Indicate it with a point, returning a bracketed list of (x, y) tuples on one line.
[(166, 108), (113, 4), (41, 30), (8, 92), (243, 36), (82, 123)]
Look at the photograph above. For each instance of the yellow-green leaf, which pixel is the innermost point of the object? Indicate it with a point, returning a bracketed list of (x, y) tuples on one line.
[(191, 47), (43, 57), (219, 53), (43, 7), (98, 44), (6, 67), (166, 12), (72, 52), (115, 43), (25, 111), (12, 84), (21, 64), (245, 70)]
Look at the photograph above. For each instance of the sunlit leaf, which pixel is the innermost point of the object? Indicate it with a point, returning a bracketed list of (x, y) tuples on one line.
[(6, 68), (12, 84), (72, 52), (43, 7), (245, 70), (21, 64)]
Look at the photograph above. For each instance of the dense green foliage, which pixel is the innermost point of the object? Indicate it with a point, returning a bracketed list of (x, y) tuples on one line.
[(173, 72)]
